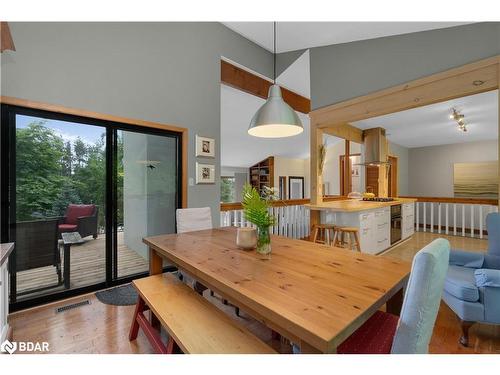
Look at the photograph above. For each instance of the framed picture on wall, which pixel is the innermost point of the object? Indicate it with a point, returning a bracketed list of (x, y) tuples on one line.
[(205, 173), (205, 147), (295, 187)]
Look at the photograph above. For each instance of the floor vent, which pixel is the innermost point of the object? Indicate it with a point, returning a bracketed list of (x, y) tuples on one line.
[(72, 306)]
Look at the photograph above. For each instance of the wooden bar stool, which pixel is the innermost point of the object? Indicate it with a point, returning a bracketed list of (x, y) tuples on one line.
[(323, 233), (351, 238)]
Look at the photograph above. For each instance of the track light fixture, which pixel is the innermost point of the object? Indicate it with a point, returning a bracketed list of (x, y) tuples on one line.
[(459, 118)]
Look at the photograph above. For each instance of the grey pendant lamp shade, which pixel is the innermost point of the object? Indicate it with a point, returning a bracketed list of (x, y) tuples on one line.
[(275, 119)]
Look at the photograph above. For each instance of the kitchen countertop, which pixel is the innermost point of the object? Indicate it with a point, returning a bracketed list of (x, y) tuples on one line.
[(355, 205), (5, 250)]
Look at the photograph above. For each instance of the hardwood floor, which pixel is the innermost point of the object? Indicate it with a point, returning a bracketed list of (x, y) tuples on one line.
[(100, 328), (103, 329)]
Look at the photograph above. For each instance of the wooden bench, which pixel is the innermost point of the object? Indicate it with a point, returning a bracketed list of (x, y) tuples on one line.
[(194, 325)]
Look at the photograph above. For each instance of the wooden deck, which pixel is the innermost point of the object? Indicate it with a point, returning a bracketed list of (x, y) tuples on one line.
[(87, 267)]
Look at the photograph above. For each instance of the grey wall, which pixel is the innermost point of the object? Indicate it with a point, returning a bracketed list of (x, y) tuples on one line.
[(431, 168), (163, 72), (403, 169), (343, 71)]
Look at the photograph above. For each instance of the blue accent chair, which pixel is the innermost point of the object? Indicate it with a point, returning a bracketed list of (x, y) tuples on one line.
[(472, 285)]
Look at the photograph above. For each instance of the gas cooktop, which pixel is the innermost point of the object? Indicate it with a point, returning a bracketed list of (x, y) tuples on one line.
[(378, 199)]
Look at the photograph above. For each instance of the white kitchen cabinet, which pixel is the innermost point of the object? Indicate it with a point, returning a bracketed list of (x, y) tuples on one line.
[(407, 220), (374, 225)]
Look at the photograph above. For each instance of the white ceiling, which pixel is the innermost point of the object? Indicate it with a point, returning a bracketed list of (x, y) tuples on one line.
[(301, 35), (431, 125), (238, 148)]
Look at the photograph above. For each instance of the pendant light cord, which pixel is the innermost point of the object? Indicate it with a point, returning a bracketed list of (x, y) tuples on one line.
[(274, 55)]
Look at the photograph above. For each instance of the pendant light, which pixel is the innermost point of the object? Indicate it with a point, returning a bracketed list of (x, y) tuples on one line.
[(275, 119)]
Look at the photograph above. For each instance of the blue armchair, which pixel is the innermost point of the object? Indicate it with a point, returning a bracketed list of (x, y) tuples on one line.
[(472, 285)]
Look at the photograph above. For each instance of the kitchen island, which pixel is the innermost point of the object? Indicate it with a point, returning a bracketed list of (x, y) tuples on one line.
[(381, 224)]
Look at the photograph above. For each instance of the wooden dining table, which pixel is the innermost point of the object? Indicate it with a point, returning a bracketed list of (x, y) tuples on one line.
[(314, 295)]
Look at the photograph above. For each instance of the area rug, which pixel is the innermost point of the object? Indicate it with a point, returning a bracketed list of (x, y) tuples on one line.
[(120, 296)]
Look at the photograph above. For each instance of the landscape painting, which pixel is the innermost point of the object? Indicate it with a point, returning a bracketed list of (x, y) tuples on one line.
[(476, 180)]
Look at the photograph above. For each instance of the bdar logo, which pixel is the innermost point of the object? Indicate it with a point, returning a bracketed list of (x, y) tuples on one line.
[(8, 347)]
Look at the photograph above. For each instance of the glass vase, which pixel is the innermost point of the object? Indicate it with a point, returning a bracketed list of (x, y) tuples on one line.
[(263, 240)]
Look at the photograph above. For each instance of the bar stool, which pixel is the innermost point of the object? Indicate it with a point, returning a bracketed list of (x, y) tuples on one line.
[(323, 233), (352, 234)]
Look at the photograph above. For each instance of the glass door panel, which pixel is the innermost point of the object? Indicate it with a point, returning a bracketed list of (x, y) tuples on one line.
[(147, 195), (60, 189)]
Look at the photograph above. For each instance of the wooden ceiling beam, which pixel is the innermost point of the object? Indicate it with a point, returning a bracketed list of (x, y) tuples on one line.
[(250, 83), (474, 78), (6, 41), (345, 131)]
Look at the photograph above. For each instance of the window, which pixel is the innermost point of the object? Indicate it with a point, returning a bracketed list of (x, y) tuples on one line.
[(227, 189)]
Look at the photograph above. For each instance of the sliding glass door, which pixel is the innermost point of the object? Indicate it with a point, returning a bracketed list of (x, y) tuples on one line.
[(78, 196)]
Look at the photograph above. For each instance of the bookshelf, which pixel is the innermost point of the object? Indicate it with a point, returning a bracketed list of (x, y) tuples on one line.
[(262, 174)]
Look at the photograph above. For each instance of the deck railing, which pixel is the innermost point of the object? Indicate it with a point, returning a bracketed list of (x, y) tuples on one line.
[(453, 216), (292, 216)]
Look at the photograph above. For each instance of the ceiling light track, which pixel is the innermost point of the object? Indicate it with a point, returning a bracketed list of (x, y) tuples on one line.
[(460, 119)]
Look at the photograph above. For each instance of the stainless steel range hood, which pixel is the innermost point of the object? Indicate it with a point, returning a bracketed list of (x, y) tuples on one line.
[(375, 147)]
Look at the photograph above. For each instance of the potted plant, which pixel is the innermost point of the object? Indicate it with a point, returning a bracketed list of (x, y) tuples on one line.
[(256, 210)]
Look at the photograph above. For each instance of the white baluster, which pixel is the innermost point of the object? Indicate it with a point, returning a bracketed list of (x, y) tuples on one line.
[(454, 219), (472, 220), (446, 219), (439, 217), (432, 217), (425, 216), (417, 216), (463, 220), (480, 221)]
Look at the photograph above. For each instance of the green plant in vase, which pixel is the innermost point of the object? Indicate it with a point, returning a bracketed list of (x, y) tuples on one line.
[(256, 210)]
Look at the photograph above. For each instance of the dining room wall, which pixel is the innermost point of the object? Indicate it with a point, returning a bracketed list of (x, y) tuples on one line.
[(167, 72)]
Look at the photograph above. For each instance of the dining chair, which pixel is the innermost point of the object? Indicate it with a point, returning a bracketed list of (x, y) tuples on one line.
[(385, 333), (190, 220)]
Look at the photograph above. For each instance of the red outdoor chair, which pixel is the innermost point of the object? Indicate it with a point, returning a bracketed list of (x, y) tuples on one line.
[(81, 218)]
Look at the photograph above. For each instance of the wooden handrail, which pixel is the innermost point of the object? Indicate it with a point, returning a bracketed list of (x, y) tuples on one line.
[(492, 202), (281, 203)]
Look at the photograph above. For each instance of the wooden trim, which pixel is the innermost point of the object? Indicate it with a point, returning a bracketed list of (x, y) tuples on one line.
[(101, 116), (347, 180), (241, 79), (345, 131), (281, 203), (316, 177), (492, 202), (6, 42), (435, 88)]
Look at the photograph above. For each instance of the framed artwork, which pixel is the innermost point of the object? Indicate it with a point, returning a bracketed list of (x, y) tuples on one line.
[(205, 147), (295, 187), (205, 173), (476, 180)]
